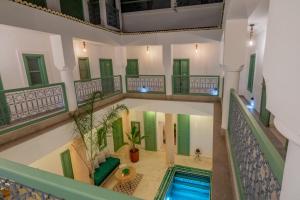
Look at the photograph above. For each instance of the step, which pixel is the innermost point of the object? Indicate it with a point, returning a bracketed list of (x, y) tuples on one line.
[(188, 186)]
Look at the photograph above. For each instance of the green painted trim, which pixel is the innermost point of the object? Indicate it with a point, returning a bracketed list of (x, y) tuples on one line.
[(118, 136), (271, 154), (42, 69), (36, 120), (56, 185), (251, 72), (183, 134), (150, 130), (134, 91), (168, 178)]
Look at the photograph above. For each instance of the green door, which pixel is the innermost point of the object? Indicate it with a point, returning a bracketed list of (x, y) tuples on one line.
[(264, 113), (132, 68), (150, 131), (84, 68), (107, 79), (181, 72), (183, 126), (35, 69), (251, 72), (66, 163), (73, 8), (117, 127)]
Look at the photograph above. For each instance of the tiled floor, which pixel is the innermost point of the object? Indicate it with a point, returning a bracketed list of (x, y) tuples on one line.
[(153, 167)]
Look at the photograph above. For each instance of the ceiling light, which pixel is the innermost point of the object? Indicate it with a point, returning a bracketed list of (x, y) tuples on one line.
[(251, 40)]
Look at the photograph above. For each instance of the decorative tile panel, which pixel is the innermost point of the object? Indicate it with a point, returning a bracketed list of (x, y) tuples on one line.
[(149, 83), (257, 179)]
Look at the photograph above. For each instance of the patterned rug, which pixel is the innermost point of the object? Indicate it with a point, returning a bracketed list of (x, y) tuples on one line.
[(128, 188)]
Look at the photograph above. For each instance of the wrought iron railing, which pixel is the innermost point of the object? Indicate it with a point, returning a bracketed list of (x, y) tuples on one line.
[(22, 182), (112, 14), (196, 85), (23, 106), (109, 86), (146, 84), (195, 2), (257, 165)]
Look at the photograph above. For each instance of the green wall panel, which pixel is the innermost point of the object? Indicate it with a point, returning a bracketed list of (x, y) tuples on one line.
[(181, 72), (67, 164), (107, 80), (132, 67), (118, 134), (183, 131), (264, 113), (251, 72), (150, 131), (84, 68)]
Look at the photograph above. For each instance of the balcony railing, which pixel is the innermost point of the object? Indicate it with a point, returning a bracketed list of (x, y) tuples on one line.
[(257, 165), (146, 84), (196, 85), (23, 106), (112, 16), (22, 182), (109, 86), (195, 2)]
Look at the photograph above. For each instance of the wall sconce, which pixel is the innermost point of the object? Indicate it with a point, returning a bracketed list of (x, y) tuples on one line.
[(84, 47), (147, 49), (196, 48), (251, 41)]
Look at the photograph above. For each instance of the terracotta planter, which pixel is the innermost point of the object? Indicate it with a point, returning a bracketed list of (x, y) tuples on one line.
[(134, 155)]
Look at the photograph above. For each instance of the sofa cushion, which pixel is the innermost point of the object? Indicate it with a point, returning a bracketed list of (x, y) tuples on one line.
[(105, 169)]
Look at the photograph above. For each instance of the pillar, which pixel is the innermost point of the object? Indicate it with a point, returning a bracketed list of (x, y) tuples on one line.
[(168, 66), (103, 15), (234, 58), (231, 81), (64, 60), (169, 133)]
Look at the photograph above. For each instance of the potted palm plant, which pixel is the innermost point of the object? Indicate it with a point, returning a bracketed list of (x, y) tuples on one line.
[(134, 138)]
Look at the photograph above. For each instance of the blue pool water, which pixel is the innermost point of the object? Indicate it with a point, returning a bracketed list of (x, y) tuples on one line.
[(188, 186)]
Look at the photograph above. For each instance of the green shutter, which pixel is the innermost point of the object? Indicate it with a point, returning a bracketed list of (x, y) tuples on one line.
[(132, 67), (117, 127), (251, 73), (35, 69), (72, 7), (84, 68), (264, 113), (150, 131), (67, 164), (183, 127), (107, 79)]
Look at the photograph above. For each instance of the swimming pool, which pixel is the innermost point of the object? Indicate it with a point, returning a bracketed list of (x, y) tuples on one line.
[(182, 183)]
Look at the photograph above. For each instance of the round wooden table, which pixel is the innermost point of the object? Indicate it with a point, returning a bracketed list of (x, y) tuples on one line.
[(124, 179)]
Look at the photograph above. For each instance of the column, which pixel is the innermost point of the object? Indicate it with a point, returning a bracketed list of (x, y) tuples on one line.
[(169, 133), (168, 66), (121, 62), (64, 60), (231, 81), (234, 58), (103, 15)]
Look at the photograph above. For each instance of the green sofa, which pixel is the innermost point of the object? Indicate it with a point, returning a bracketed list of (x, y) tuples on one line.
[(105, 169)]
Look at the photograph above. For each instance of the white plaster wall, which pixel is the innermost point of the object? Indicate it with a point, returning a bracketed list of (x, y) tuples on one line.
[(206, 61), (259, 50), (160, 121), (15, 42), (201, 134), (95, 52), (150, 62)]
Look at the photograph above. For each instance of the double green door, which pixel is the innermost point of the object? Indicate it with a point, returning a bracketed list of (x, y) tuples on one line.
[(183, 131), (150, 131), (117, 128), (107, 77), (264, 113), (181, 80)]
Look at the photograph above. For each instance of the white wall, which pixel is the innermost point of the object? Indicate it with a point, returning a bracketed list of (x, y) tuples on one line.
[(206, 61), (96, 51), (14, 43), (150, 62), (201, 134)]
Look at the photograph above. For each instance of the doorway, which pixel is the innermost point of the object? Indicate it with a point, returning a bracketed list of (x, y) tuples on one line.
[(118, 138), (107, 76), (181, 80)]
